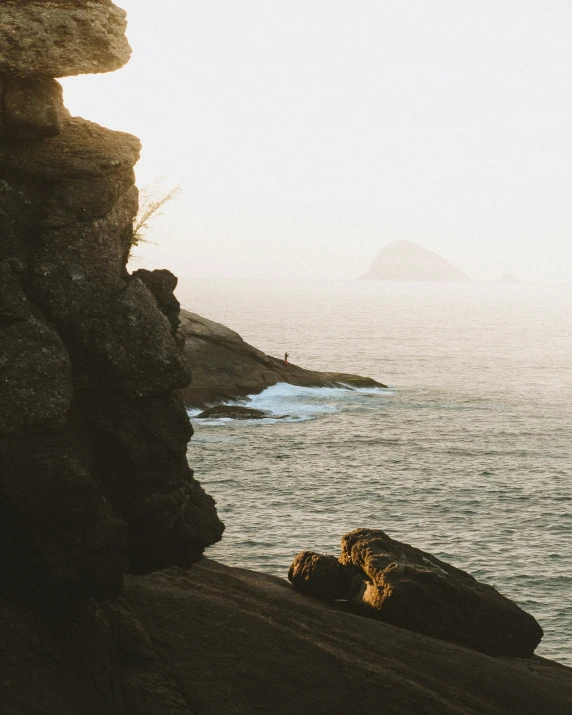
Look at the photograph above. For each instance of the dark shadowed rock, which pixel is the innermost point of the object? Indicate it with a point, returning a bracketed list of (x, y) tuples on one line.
[(241, 642), (35, 371), (59, 536), (142, 446), (94, 480), (32, 108), (234, 412), (320, 575), (62, 37), (113, 334), (162, 284), (412, 589), (219, 640), (226, 368), (83, 149), (35, 376)]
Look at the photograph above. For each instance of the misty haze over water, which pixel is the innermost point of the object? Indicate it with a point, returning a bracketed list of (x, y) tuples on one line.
[(468, 455)]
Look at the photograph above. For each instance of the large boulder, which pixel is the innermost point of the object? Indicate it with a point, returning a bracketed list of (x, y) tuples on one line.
[(410, 588), (60, 38)]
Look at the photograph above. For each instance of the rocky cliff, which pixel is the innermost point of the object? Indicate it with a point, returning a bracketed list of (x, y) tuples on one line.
[(93, 433), (95, 489)]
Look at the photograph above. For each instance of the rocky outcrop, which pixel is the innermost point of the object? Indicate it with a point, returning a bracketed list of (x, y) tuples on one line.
[(406, 587), (95, 489), (94, 481), (407, 261), (225, 367)]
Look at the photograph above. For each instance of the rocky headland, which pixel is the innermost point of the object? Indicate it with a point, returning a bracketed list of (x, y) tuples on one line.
[(100, 514), (407, 261), (226, 368)]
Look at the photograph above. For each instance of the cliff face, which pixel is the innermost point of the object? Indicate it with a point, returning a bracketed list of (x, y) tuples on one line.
[(94, 480)]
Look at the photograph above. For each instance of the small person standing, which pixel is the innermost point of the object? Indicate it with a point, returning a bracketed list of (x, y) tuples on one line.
[(286, 358)]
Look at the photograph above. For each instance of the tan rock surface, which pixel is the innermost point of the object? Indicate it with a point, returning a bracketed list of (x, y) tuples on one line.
[(58, 38)]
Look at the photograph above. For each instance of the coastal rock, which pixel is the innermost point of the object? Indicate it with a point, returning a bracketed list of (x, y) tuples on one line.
[(162, 284), (94, 480), (234, 412), (321, 575), (81, 150), (226, 368), (407, 261), (60, 38), (60, 538), (113, 336), (241, 642), (35, 376), (224, 640), (412, 589)]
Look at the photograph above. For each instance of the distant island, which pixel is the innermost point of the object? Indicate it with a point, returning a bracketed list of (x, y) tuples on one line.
[(509, 278), (407, 261)]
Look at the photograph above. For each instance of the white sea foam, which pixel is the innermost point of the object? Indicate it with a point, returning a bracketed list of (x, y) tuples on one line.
[(303, 403), (289, 403)]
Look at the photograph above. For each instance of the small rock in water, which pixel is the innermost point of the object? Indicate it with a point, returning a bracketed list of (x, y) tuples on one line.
[(409, 588), (235, 412)]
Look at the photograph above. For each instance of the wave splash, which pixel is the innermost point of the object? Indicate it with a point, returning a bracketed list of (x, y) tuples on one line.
[(289, 403)]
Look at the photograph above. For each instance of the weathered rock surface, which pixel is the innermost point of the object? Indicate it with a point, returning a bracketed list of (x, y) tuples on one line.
[(406, 587), (219, 640), (226, 368), (32, 108), (321, 575), (407, 261), (60, 38)]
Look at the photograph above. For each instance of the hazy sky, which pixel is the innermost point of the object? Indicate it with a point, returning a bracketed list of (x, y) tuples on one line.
[(309, 134)]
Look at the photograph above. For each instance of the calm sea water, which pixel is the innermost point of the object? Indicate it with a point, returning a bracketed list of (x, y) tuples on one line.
[(468, 454)]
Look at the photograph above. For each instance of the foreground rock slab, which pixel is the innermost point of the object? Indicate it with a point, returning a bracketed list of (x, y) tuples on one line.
[(224, 641), (406, 587), (244, 643), (226, 368)]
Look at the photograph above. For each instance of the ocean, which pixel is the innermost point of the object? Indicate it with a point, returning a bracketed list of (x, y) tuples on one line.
[(467, 454)]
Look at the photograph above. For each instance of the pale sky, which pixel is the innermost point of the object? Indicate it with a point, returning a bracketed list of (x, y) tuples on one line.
[(308, 134)]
